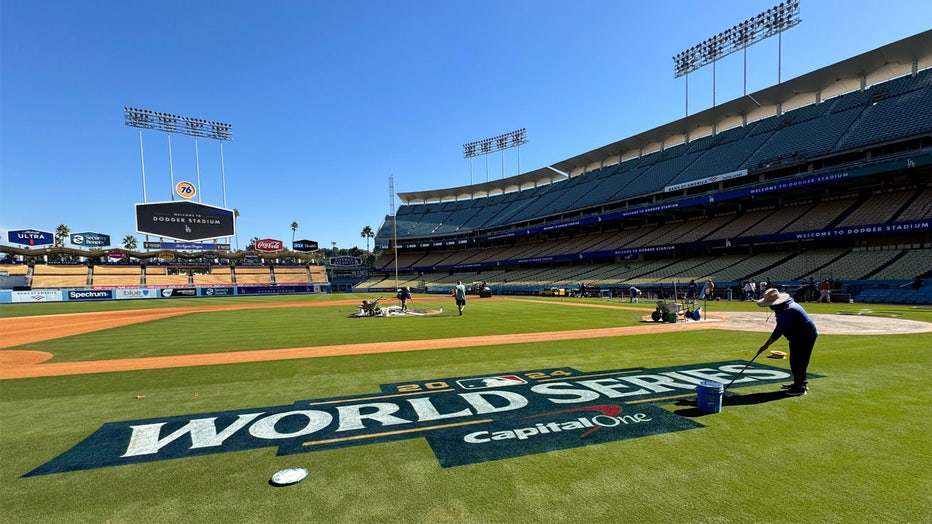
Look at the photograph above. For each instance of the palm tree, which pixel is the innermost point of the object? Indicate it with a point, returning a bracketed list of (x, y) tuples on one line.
[(294, 227), (130, 243), (61, 233), (367, 234), (235, 217)]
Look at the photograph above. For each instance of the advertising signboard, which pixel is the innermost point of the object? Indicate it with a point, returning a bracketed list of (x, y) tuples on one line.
[(186, 246), (345, 261), (90, 239), (269, 245), (30, 237), (184, 220), (304, 245)]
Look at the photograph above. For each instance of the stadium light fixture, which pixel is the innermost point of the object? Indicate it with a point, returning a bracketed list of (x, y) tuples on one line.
[(773, 21), (496, 143), (501, 142), (169, 123)]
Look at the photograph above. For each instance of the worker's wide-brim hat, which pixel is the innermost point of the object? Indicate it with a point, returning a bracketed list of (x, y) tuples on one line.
[(772, 297)]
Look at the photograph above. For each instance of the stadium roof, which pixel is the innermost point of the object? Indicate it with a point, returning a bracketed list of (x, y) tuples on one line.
[(544, 175), (890, 61)]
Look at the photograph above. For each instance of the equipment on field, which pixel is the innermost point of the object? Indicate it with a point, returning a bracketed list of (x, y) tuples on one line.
[(709, 396), (370, 308), (740, 372), (287, 477)]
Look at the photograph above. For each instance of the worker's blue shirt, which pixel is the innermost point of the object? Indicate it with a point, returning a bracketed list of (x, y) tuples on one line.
[(794, 323)]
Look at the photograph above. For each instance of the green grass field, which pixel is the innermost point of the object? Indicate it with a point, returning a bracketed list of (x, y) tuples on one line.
[(856, 449)]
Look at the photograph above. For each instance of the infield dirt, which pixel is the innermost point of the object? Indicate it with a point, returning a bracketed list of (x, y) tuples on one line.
[(27, 330)]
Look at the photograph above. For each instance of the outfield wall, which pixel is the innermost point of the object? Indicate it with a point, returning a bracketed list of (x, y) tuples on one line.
[(8, 296)]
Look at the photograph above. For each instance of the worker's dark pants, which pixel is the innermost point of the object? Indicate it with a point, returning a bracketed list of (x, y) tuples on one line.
[(800, 352)]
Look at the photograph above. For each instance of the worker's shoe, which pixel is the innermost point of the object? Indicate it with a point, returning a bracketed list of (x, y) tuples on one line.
[(797, 391)]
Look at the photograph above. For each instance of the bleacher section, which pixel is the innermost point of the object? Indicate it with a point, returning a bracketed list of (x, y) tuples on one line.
[(835, 187), (291, 275), (15, 269), (59, 276), (246, 275), (157, 276), (844, 211), (318, 274), (218, 276), (907, 266), (53, 276), (116, 275), (896, 108)]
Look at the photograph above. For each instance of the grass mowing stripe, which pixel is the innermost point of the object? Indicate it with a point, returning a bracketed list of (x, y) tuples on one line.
[(853, 450), (244, 330)]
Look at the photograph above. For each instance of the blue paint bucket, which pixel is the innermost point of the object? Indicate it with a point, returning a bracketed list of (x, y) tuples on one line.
[(709, 399)]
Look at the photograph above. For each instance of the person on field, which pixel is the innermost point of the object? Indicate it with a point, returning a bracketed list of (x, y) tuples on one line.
[(459, 294), (825, 291), (800, 331), (403, 295), (634, 293), (691, 290), (708, 291)]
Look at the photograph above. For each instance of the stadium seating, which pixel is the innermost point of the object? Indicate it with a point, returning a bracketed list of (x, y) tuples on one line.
[(291, 275), (920, 208), (318, 274), (252, 275), (218, 276), (45, 276), (878, 209), (116, 275), (809, 230), (907, 266), (846, 121)]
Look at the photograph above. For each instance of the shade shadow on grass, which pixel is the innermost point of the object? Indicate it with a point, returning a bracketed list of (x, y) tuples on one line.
[(729, 400)]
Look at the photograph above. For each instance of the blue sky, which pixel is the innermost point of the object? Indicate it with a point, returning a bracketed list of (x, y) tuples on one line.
[(329, 99)]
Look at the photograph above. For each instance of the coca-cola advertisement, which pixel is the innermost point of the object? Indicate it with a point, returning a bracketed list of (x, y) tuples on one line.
[(269, 245)]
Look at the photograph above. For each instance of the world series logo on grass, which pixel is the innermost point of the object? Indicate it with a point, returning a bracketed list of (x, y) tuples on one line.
[(465, 420)]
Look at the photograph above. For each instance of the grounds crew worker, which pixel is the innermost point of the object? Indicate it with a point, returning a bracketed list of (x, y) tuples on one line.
[(403, 295), (795, 324), (459, 294)]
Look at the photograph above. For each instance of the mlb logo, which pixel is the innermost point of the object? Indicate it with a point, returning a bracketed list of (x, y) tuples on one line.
[(491, 382)]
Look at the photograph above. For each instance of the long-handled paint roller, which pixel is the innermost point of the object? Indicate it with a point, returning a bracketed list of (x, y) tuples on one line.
[(742, 371), (692, 400)]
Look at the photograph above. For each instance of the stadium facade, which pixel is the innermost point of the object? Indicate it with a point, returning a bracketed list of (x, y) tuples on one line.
[(824, 177)]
